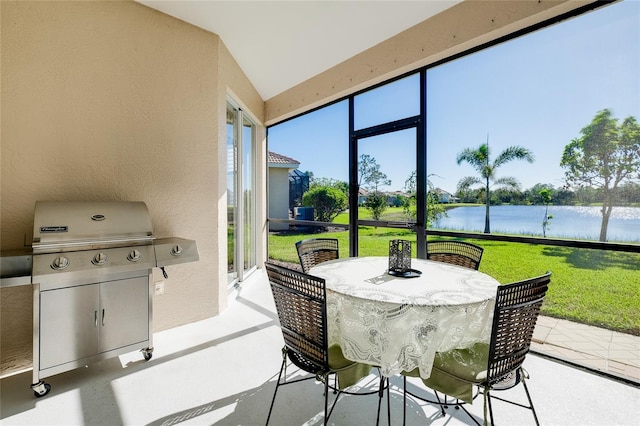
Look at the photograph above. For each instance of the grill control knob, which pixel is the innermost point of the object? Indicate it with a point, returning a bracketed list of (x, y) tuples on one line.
[(134, 256), (60, 263), (176, 250), (99, 259)]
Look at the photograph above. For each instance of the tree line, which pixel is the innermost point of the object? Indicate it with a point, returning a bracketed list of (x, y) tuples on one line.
[(602, 166), (603, 163), (627, 194)]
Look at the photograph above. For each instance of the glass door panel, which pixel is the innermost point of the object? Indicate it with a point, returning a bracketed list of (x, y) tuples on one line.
[(241, 194), (248, 193), (232, 271), (387, 165)]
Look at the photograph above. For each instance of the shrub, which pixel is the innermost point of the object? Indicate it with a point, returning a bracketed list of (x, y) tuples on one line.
[(327, 202), (376, 204)]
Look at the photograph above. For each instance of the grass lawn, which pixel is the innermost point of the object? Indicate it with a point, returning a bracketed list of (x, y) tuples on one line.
[(589, 286)]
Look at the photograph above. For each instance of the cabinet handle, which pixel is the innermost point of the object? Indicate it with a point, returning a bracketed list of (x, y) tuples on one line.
[(103, 317), (95, 318)]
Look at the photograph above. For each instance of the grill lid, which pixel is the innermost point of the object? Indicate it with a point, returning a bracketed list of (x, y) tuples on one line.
[(60, 225)]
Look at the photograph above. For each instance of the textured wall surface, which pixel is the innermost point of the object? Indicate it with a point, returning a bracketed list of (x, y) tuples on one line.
[(279, 197), (116, 101)]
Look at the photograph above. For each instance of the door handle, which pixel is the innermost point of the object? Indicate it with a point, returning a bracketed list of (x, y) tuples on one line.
[(103, 317)]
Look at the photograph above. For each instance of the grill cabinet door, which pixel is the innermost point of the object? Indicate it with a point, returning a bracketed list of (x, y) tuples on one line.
[(125, 305), (68, 324)]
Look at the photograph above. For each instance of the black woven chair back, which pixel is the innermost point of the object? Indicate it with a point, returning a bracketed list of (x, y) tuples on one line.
[(514, 319), (301, 305), (455, 252), (316, 250)]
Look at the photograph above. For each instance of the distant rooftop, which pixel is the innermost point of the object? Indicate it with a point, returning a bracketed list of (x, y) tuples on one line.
[(280, 160)]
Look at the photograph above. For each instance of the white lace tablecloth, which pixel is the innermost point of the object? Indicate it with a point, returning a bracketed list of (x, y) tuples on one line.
[(398, 324)]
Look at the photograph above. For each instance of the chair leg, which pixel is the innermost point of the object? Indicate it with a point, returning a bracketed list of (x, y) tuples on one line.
[(326, 400), (440, 403), (325, 380), (381, 390), (388, 403), (487, 396), (526, 389), (404, 395), (326, 396), (404, 400), (273, 400)]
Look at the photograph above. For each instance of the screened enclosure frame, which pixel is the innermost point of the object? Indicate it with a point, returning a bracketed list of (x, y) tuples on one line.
[(419, 123)]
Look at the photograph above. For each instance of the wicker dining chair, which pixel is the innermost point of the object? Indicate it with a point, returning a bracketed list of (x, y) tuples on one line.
[(455, 252), (497, 366), (300, 301), (316, 250)]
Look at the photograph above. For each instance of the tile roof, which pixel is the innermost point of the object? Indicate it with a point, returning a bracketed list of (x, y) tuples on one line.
[(280, 159)]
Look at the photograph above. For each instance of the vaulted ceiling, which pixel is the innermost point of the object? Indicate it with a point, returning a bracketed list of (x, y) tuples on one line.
[(280, 44)]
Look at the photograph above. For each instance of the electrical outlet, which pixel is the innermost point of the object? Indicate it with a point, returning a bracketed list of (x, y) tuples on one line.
[(159, 286)]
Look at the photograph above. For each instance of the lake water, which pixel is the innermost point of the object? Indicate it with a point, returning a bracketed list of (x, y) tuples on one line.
[(572, 222)]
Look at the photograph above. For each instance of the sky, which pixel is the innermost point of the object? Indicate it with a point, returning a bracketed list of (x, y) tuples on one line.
[(537, 91)]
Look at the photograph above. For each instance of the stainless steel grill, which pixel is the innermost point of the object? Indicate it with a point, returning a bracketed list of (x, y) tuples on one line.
[(92, 279)]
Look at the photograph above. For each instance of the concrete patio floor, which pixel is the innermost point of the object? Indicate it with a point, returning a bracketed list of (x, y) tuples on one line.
[(223, 371)]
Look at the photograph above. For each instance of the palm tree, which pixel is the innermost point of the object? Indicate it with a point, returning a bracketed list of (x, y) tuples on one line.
[(480, 160)]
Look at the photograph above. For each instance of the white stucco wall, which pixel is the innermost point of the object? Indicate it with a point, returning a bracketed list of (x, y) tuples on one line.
[(278, 197), (116, 101)]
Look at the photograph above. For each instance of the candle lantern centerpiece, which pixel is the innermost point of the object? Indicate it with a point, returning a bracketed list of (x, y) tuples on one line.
[(399, 257)]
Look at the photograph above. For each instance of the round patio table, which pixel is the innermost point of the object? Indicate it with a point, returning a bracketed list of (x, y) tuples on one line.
[(398, 324)]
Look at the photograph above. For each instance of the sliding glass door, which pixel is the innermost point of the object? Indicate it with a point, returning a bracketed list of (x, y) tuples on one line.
[(241, 194)]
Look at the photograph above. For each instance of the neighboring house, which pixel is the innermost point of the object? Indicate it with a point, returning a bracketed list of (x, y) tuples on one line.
[(362, 196), (395, 198), (279, 168), (445, 197), (298, 185)]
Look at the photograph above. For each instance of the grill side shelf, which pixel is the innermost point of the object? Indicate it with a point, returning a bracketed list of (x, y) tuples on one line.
[(15, 269), (174, 251)]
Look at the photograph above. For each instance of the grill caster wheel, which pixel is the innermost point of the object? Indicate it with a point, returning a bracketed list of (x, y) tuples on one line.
[(40, 389), (147, 354)]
